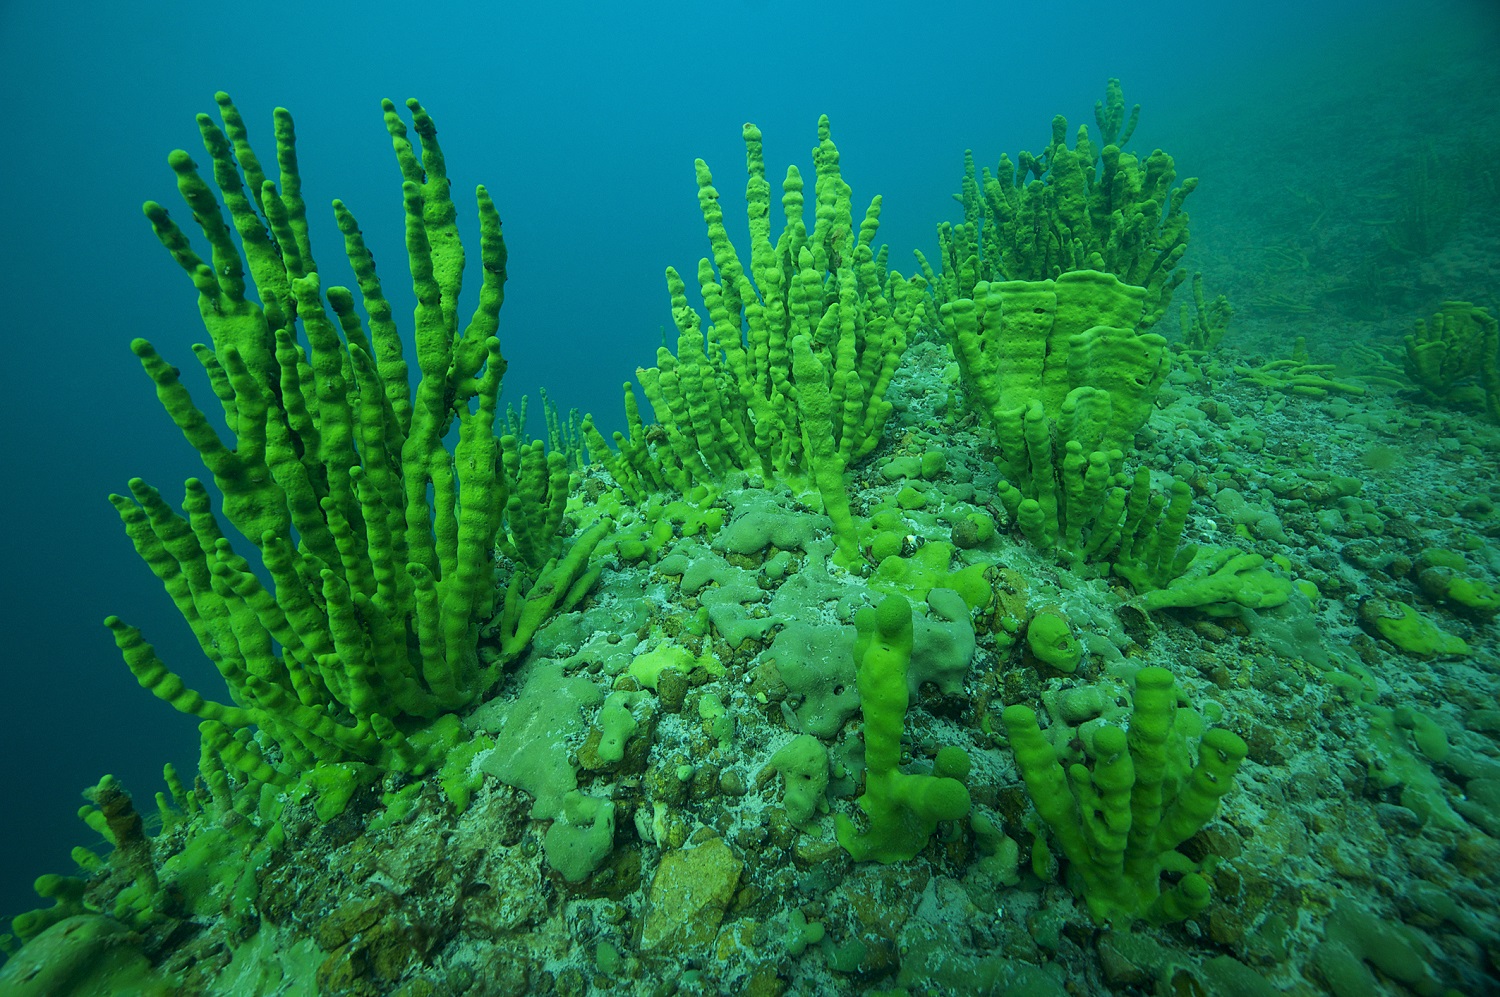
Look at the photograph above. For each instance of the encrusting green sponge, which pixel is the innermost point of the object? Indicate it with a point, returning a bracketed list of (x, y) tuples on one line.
[(1050, 637)]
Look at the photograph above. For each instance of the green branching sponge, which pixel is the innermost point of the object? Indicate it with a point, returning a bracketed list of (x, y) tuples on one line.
[(1298, 375), (739, 392), (1079, 208), (1120, 821), (1447, 354), (903, 809), (377, 539), (1203, 326)]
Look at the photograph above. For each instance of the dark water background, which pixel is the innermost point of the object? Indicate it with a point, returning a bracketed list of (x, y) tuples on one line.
[(583, 120)]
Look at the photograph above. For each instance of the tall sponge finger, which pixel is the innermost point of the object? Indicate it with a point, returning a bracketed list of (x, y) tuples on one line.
[(164, 684)]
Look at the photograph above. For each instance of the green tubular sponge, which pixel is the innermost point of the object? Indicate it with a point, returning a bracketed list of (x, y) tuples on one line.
[(903, 809), (1111, 820), (1444, 355), (825, 462)]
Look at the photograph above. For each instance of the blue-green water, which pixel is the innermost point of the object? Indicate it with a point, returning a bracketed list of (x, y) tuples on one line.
[(1346, 190)]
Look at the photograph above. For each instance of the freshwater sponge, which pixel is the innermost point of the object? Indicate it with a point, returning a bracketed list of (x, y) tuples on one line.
[(1079, 208), (904, 809), (787, 381), (1065, 378), (1118, 823), (377, 539), (1447, 354)]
